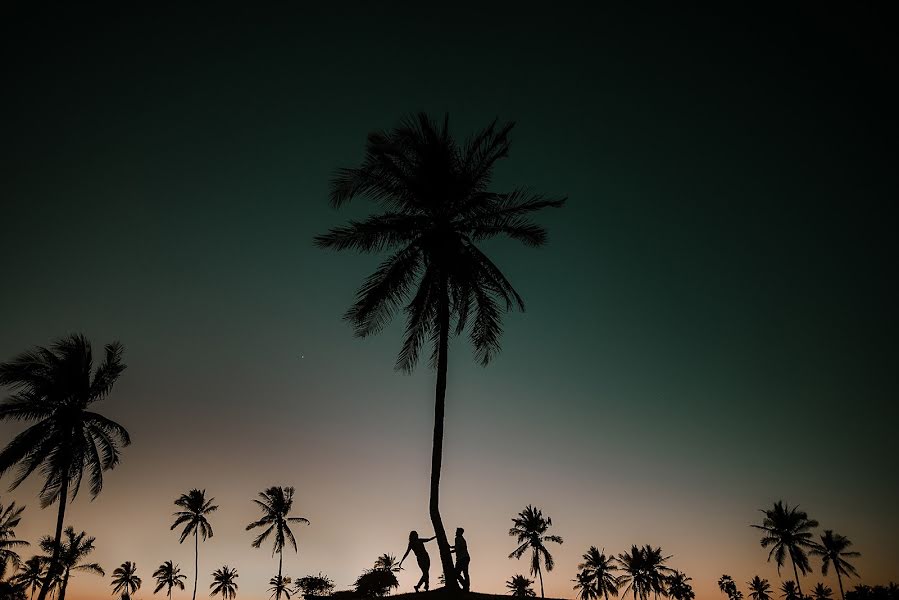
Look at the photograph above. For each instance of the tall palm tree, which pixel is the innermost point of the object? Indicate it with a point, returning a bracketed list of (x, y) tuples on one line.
[(598, 572), (280, 587), (125, 579), (759, 589), (519, 586), (168, 575), (679, 586), (32, 574), (194, 510), (833, 551), (223, 583), (656, 569), (56, 387), (75, 548), (276, 503), (435, 207), (821, 592), (10, 517), (789, 591), (788, 531), (529, 528)]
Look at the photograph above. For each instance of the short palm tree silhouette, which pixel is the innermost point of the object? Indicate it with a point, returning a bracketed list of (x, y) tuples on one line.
[(833, 550), (168, 576), (728, 586), (790, 591), (597, 578), (75, 548), (223, 583), (436, 207), (759, 589), (519, 586), (56, 387), (280, 587), (643, 571), (788, 531), (32, 574), (679, 586), (821, 592), (10, 517), (194, 510), (276, 503), (387, 562), (529, 528), (125, 579)]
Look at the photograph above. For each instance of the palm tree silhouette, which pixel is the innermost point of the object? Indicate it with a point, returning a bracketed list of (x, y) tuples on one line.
[(789, 591), (10, 517), (520, 587), (436, 203), (833, 551), (530, 527), (168, 575), (280, 586), (32, 574), (679, 586), (55, 386), (597, 574), (644, 571), (727, 585), (788, 530), (223, 583), (125, 579), (75, 547), (193, 516), (387, 562), (821, 592), (276, 503), (759, 589)]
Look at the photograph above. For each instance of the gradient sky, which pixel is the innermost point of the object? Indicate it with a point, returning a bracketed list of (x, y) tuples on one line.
[(712, 326)]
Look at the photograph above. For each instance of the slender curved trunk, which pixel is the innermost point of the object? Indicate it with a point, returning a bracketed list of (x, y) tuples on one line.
[(840, 581), (796, 573), (196, 561), (540, 574), (65, 584), (280, 583), (446, 557), (57, 545)]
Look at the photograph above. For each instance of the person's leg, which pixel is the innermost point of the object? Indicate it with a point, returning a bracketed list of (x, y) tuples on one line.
[(466, 582)]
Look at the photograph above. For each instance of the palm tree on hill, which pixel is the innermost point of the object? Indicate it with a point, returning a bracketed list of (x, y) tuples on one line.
[(10, 517), (223, 583), (75, 548), (833, 551), (32, 574), (280, 587), (276, 503), (387, 562), (169, 576), (519, 586), (679, 586), (529, 528), (598, 574), (55, 388), (435, 208), (644, 571), (125, 579), (194, 510), (759, 589), (788, 532)]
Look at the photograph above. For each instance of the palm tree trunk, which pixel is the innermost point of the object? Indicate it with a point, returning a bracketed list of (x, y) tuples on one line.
[(280, 561), (196, 561), (796, 573), (540, 574), (840, 581), (54, 559), (446, 557), (65, 584)]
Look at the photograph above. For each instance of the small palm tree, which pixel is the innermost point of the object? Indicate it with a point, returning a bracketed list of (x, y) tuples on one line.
[(75, 547), (223, 583), (280, 587), (789, 591), (759, 589), (10, 517), (56, 387), (788, 531), (679, 586), (833, 551), (194, 509), (433, 192), (125, 579), (32, 574), (276, 503), (529, 528), (598, 573), (169, 576), (520, 587), (387, 562), (644, 571), (728, 586), (821, 592)]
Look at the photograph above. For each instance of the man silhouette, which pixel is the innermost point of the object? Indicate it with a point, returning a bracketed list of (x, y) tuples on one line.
[(460, 547)]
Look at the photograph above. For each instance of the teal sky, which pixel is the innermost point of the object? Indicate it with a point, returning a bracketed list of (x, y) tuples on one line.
[(712, 326)]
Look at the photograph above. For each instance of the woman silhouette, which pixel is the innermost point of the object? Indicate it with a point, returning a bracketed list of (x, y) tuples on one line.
[(417, 546)]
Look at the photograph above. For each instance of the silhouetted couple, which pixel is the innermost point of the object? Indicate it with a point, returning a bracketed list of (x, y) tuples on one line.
[(460, 548)]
